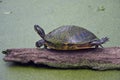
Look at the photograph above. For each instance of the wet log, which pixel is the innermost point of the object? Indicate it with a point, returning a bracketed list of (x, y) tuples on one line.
[(99, 59)]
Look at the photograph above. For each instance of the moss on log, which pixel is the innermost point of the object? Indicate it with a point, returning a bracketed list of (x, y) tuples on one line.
[(99, 59)]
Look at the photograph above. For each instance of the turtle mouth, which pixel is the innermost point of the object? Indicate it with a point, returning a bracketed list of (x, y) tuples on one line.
[(35, 28)]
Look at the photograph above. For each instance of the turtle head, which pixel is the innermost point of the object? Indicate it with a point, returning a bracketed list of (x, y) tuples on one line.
[(100, 41), (40, 31)]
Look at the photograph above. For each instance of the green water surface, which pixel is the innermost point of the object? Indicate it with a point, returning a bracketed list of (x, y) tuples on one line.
[(17, 18)]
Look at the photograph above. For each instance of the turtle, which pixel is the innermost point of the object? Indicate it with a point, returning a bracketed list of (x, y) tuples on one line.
[(68, 37)]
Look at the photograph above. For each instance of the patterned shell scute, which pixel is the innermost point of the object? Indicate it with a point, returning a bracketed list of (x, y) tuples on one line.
[(70, 35)]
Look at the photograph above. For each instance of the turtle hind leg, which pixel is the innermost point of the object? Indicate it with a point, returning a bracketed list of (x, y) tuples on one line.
[(99, 42), (97, 46), (101, 46)]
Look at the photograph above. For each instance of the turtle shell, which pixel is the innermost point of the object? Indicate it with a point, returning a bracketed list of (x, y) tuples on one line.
[(69, 37)]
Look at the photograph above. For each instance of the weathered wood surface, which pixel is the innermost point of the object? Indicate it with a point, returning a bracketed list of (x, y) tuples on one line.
[(99, 59)]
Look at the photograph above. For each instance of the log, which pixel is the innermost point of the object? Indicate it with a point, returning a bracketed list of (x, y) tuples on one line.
[(98, 59)]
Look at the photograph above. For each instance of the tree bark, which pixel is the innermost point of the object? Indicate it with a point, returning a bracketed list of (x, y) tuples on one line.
[(99, 59)]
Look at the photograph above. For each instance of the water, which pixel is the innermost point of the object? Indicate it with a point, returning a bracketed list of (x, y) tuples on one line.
[(17, 18)]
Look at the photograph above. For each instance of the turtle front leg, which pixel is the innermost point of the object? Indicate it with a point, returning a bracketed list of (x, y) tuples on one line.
[(40, 43), (45, 46)]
